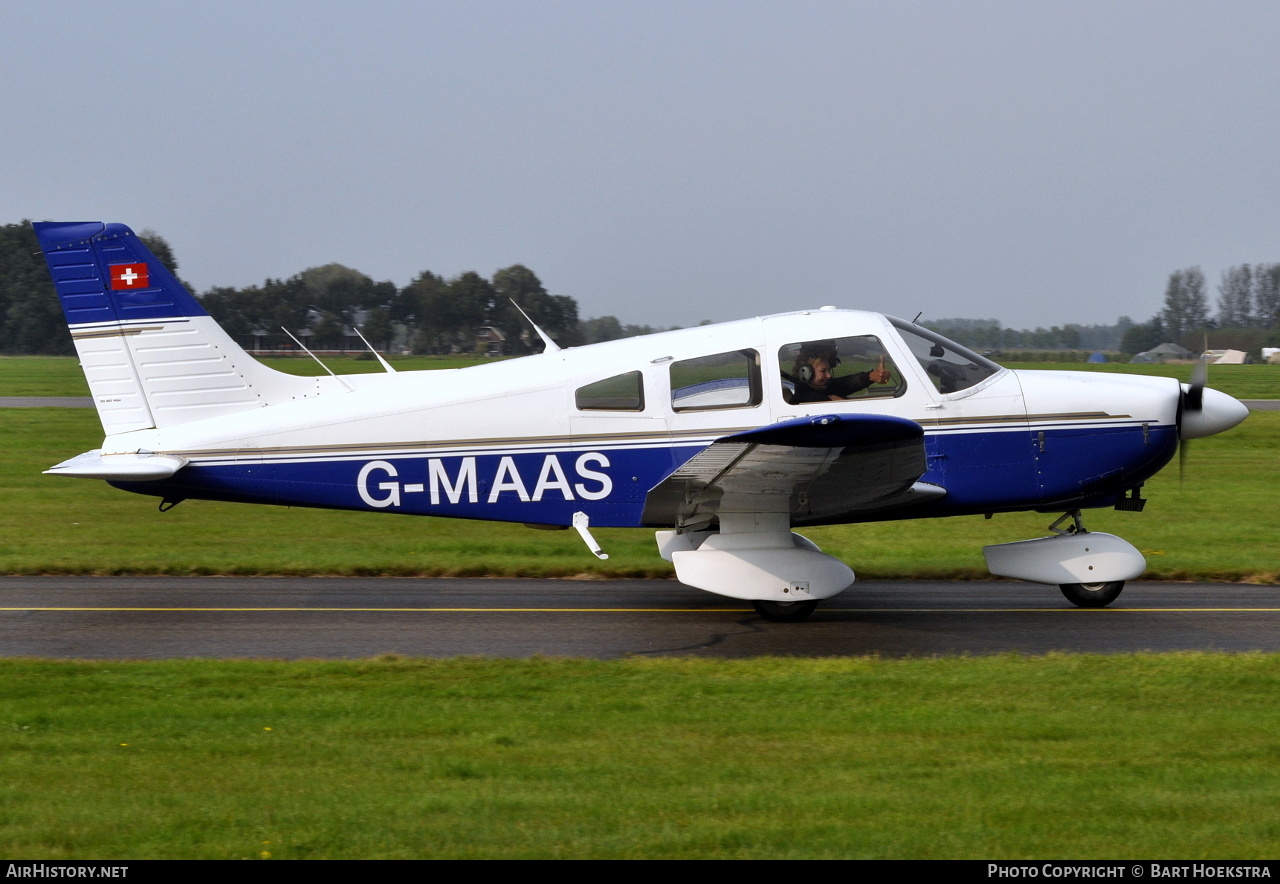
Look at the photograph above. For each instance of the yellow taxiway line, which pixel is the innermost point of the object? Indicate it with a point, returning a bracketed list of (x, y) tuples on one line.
[(322, 610)]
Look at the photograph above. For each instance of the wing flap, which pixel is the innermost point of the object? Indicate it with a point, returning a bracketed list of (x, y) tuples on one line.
[(814, 469)]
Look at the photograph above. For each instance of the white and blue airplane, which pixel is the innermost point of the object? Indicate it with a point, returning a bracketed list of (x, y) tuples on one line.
[(724, 437)]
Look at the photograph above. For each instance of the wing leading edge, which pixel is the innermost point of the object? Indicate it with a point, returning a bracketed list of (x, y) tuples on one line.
[(814, 469)]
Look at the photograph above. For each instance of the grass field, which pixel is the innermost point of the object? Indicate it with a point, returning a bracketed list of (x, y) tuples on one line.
[(995, 758)]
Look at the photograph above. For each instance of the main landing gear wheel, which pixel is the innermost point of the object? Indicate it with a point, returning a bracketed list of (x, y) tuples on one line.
[(784, 612), (1092, 595)]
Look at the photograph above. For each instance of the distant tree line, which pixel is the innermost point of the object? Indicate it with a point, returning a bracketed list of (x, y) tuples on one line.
[(1247, 318), (989, 335), (30, 318), (1248, 315), (323, 305)]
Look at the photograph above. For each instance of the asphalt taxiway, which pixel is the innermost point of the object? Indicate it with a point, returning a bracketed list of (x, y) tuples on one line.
[(291, 618)]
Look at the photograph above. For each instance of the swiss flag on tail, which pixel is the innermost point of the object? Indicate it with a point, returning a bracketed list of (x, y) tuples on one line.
[(128, 276)]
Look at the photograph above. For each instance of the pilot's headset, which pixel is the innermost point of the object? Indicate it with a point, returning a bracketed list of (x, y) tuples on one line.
[(814, 350)]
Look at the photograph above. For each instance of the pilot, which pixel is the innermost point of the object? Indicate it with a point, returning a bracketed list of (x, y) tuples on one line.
[(815, 382)]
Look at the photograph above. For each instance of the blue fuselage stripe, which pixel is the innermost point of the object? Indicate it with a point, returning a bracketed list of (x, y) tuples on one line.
[(981, 470)]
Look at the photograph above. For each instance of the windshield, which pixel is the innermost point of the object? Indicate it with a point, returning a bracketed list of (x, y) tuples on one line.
[(951, 367)]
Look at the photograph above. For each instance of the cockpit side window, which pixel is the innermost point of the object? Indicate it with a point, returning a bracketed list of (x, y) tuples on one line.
[(622, 392), (837, 369), (722, 380), (952, 368)]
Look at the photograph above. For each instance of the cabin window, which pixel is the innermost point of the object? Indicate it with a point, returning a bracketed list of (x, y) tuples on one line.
[(836, 369), (724, 380), (622, 392), (952, 368)]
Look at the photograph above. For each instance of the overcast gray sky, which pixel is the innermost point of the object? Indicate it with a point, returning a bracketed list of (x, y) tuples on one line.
[(668, 162)]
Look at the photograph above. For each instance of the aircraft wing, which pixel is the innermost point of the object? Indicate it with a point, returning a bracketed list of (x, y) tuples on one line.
[(815, 469)]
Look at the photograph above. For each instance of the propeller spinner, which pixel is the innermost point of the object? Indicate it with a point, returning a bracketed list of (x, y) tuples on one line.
[(1203, 412)]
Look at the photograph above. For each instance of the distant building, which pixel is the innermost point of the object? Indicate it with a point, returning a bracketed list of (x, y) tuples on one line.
[(490, 341), (1164, 353)]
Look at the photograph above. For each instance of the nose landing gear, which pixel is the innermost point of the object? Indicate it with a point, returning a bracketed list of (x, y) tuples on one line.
[(1085, 595), (1092, 595), (784, 612), (1089, 567)]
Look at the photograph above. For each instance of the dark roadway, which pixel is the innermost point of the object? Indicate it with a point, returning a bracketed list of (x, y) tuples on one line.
[(289, 618)]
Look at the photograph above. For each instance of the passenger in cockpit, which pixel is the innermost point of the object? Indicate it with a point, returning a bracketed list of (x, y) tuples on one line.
[(814, 381)]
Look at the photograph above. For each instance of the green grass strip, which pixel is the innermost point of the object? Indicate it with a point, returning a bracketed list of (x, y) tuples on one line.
[(1135, 756)]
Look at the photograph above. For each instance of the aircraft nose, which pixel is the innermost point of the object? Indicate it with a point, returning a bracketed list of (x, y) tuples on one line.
[(1218, 412)]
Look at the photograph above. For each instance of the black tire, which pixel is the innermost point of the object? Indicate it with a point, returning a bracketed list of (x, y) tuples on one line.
[(784, 612), (1092, 595)]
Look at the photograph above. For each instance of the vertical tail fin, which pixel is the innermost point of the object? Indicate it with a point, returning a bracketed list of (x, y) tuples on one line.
[(152, 355)]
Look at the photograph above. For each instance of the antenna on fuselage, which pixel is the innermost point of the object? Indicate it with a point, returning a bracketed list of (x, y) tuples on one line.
[(917, 319), (550, 345), (350, 388), (376, 354)]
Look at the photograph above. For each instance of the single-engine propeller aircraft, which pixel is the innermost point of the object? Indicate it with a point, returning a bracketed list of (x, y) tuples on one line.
[(724, 436)]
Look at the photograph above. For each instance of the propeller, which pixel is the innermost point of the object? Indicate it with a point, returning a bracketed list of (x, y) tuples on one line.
[(1195, 391), (1192, 403)]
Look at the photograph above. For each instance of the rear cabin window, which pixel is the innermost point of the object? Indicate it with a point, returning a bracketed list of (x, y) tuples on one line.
[(838, 369), (723, 380), (622, 392)]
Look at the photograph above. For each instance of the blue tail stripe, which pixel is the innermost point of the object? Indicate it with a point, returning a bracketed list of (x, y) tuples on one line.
[(79, 284), (53, 234), (79, 254)]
